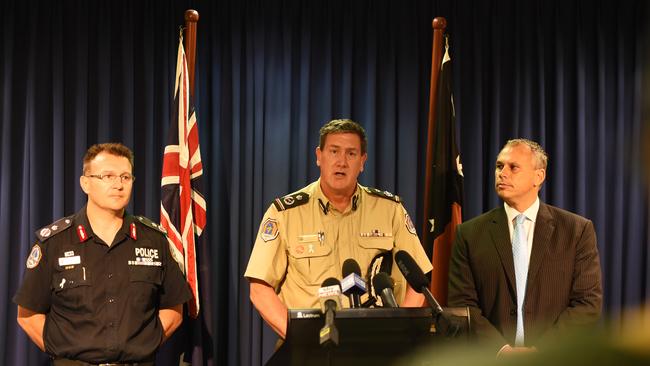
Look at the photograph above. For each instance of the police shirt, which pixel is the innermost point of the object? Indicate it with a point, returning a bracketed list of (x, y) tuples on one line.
[(303, 240), (101, 303)]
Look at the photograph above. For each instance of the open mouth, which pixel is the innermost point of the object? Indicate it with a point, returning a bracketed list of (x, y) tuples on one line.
[(340, 174)]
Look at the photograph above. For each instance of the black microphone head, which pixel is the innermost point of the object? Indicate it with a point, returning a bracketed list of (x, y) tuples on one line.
[(382, 281), (351, 266), (331, 282), (411, 271)]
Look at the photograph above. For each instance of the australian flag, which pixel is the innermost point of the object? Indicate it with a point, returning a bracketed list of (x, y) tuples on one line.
[(444, 186)]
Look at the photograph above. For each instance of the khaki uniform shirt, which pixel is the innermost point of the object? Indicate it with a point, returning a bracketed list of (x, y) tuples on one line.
[(304, 240)]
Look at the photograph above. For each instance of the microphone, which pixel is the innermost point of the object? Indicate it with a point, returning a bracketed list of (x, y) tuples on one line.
[(383, 285), (352, 284), (329, 296), (445, 322), (416, 279)]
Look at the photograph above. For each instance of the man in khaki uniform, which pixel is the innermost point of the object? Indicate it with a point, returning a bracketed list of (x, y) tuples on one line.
[(306, 236)]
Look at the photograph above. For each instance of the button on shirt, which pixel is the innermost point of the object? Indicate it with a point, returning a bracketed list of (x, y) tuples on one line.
[(529, 224), (101, 302)]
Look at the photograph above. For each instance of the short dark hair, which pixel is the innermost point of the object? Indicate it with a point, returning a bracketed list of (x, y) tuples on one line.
[(344, 126), (113, 148)]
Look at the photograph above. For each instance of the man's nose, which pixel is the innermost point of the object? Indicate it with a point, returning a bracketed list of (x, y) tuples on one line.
[(342, 160), (118, 184)]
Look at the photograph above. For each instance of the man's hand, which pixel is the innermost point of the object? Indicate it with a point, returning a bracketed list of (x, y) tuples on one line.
[(412, 299)]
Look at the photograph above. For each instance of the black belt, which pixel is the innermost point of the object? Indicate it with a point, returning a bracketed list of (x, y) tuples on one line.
[(68, 362)]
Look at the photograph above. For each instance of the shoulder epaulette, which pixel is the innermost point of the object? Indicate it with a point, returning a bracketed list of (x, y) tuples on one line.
[(383, 194), (54, 228), (148, 223), (291, 201)]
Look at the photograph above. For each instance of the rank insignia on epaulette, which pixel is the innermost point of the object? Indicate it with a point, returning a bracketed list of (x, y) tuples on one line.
[(54, 228), (383, 194), (291, 200), (147, 222)]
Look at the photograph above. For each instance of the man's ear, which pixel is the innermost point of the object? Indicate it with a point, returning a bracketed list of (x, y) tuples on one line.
[(318, 153), (540, 177), (364, 157), (83, 182)]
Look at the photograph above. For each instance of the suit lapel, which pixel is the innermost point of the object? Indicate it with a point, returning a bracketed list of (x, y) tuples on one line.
[(544, 228), (501, 240)]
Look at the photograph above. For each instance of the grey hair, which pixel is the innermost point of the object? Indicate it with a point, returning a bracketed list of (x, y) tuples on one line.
[(541, 157)]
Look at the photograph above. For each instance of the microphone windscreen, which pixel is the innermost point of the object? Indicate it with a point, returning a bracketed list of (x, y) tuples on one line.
[(382, 281), (331, 282), (329, 294), (351, 266), (411, 271)]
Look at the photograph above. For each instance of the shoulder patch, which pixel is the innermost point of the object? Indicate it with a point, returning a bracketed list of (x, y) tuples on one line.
[(150, 224), (291, 201), (34, 257), (383, 194), (54, 228), (269, 230)]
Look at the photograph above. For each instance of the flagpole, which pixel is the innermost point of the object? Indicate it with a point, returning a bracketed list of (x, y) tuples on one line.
[(191, 18), (439, 24)]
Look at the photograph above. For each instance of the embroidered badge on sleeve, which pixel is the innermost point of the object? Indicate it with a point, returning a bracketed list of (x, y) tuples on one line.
[(270, 230), (34, 257)]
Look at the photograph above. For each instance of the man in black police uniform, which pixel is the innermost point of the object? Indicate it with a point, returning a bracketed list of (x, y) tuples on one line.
[(101, 285)]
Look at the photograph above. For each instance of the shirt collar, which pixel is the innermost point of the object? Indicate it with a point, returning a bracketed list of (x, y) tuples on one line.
[(83, 228), (530, 212), (324, 202)]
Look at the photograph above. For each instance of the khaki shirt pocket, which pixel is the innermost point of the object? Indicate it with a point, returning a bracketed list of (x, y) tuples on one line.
[(379, 243), (311, 260), (371, 247)]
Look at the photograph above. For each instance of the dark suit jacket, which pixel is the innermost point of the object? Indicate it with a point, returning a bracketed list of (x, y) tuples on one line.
[(564, 277)]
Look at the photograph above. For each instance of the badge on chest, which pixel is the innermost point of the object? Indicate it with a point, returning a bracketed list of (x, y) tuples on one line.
[(69, 259), (146, 257)]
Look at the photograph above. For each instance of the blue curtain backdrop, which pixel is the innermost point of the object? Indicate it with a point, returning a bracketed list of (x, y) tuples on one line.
[(269, 73)]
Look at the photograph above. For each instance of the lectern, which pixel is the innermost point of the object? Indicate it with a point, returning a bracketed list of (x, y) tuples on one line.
[(366, 336)]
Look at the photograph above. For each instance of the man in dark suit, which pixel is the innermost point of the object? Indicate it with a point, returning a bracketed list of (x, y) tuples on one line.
[(526, 270)]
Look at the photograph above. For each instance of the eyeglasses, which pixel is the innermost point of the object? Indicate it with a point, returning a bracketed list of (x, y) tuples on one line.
[(112, 178)]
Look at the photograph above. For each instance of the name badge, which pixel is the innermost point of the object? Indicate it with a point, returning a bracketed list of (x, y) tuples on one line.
[(68, 261)]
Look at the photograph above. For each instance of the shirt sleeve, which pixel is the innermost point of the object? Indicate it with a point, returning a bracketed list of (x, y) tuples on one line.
[(175, 289), (406, 239), (35, 293), (268, 261)]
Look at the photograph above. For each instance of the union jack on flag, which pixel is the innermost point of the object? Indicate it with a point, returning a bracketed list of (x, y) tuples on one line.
[(182, 206)]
